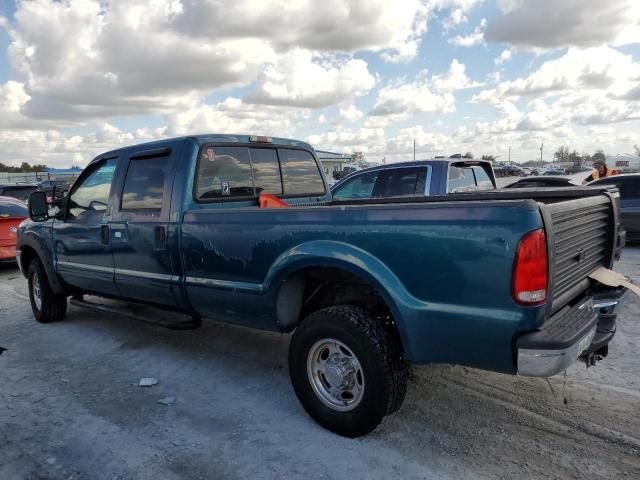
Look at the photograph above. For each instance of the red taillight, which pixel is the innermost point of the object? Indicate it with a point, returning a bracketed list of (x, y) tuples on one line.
[(530, 269)]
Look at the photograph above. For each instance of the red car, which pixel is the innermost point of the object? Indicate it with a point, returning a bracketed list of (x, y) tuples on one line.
[(12, 212)]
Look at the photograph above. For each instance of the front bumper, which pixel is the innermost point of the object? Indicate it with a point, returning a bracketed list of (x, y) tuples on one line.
[(7, 252), (558, 344)]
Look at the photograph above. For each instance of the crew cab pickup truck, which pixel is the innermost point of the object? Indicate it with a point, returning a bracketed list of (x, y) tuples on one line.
[(417, 178), (495, 280)]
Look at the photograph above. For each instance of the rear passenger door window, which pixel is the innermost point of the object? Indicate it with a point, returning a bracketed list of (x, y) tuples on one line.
[(144, 184), (404, 182), (300, 173)]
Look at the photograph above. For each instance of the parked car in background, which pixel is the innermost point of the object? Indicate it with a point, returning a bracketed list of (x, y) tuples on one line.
[(554, 171), (21, 191), (542, 182), (12, 213), (528, 171), (508, 170), (629, 186), (417, 178), (54, 188)]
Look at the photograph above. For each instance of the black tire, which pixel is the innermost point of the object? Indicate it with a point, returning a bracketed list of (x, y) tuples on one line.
[(378, 353), (53, 307)]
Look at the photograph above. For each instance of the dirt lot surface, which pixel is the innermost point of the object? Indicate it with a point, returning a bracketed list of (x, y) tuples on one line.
[(70, 408)]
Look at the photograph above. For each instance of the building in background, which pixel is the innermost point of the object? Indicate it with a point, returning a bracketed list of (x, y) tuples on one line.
[(332, 162)]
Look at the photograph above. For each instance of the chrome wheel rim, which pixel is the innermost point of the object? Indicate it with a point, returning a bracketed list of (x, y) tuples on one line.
[(335, 374), (37, 292)]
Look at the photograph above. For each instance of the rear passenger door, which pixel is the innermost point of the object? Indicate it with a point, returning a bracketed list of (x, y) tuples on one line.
[(139, 227)]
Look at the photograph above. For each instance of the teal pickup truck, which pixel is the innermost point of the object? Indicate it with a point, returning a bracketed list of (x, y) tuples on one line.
[(496, 280)]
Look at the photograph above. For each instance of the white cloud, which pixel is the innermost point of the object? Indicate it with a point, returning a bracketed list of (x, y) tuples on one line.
[(331, 25), (302, 81), (234, 115), (84, 60), (403, 99), (349, 114), (454, 79), (367, 140), (599, 69), (475, 38), (55, 149), (503, 57), (565, 23)]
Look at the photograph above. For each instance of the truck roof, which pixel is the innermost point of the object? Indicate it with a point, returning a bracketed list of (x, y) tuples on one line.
[(220, 138)]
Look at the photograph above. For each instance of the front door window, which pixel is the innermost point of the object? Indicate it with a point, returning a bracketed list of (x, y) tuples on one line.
[(93, 192)]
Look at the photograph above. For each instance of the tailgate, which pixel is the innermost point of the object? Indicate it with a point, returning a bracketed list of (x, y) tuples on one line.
[(581, 237)]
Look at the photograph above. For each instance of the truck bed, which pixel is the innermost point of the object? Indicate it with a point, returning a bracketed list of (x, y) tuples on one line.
[(579, 233)]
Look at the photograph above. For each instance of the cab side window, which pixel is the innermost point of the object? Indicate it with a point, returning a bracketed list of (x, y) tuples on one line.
[(92, 194), (483, 179), (144, 183), (461, 179)]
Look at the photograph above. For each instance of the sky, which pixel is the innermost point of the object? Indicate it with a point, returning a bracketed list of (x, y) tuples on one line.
[(79, 77)]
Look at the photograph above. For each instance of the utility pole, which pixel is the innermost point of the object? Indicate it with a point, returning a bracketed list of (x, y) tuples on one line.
[(541, 147), (509, 154), (414, 149)]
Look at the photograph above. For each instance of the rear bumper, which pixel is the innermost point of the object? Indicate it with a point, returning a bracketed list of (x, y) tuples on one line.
[(582, 331), (560, 341)]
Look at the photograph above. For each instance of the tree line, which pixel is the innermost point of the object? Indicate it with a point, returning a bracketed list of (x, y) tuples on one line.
[(564, 155), (23, 168)]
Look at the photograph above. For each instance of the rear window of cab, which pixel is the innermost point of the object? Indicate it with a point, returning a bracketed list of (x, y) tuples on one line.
[(227, 172)]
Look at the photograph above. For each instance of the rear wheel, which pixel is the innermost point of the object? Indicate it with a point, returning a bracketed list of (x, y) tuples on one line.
[(347, 370), (46, 306)]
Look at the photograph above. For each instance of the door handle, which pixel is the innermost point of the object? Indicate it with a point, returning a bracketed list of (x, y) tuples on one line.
[(104, 234), (160, 237)]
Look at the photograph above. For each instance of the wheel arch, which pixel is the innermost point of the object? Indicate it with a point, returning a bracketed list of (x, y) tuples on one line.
[(289, 275), (31, 247)]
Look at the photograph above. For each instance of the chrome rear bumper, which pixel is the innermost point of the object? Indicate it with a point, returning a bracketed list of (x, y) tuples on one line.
[(558, 344)]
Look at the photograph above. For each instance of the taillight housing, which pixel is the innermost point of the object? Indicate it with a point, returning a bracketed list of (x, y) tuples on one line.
[(530, 272)]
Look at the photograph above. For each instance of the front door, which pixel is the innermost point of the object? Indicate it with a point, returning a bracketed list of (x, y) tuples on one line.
[(82, 247), (139, 229)]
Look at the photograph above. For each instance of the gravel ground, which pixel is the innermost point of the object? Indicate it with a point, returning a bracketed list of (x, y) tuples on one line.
[(70, 408)]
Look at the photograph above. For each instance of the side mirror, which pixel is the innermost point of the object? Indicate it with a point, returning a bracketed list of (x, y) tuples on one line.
[(38, 207)]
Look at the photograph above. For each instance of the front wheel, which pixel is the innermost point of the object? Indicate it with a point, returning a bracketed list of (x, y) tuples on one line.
[(347, 369), (46, 306)]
